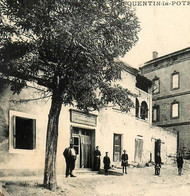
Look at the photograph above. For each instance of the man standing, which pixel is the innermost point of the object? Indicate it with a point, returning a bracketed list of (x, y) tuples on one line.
[(70, 158), (106, 163), (97, 155)]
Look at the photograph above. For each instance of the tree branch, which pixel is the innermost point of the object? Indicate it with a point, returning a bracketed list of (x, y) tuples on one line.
[(27, 100)]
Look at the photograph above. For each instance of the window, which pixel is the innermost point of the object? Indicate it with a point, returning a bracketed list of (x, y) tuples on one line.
[(175, 81), (144, 110), (156, 113), (117, 147), (156, 85), (175, 110), (22, 132), (85, 132)]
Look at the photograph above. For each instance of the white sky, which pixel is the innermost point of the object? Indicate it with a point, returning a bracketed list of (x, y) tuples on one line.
[(165, 29)]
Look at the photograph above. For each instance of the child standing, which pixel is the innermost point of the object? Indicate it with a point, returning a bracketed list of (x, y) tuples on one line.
[(106, 161), (124, 163)]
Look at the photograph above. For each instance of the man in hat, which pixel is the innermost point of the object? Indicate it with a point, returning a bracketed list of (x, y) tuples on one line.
[(124, 162), (70, 158)]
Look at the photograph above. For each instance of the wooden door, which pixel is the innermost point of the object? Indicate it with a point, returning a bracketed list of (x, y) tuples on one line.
[(83, 146), (138, 150), (86, 152), (117, 148)]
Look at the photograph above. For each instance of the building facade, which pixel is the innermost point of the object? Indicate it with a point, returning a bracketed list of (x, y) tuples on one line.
[(23, 128), (171, 94)]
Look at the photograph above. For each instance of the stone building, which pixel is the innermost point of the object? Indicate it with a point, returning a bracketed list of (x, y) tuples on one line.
[(171, 94), (23, 129)]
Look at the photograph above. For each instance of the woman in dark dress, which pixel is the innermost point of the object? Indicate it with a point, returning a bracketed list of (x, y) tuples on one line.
[(124, 162), (97, 155)]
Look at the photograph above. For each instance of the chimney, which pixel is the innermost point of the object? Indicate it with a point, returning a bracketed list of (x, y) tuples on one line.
[(154, 55)]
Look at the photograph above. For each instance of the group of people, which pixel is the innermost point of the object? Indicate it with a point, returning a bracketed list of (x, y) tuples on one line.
[(70, 158), (158, 164), (106, 161)]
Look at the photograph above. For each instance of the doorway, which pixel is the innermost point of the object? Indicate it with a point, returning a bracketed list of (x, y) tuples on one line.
[(117, 147), (157, 147), (83, 144), (138, 150)]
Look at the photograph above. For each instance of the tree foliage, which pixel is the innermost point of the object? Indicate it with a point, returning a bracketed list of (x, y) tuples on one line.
[(68, 46), (73, 43)]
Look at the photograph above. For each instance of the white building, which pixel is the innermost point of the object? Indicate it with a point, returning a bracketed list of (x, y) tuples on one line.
[(23, 130)]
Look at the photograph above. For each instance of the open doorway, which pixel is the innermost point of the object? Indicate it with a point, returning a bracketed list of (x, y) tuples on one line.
[(157, 147), (83, 144)]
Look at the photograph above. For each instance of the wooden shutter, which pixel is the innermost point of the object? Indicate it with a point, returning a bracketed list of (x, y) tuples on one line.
[(34, 133), (14, 131)]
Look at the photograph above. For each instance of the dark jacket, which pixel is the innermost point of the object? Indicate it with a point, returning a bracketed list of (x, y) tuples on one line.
[(97, 153), (67, 154), (124, 159), (179, 162), (106, 162)]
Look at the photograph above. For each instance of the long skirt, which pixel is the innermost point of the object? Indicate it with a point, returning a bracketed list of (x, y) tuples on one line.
[(96, 163)]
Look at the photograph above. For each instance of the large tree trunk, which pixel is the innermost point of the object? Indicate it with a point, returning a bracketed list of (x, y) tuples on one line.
[(51, 144)]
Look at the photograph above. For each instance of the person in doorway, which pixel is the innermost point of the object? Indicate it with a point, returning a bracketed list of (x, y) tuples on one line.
[(70, 158), (106, 161), (180, 164), (97, 155), (157, 164), (124, 163)]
